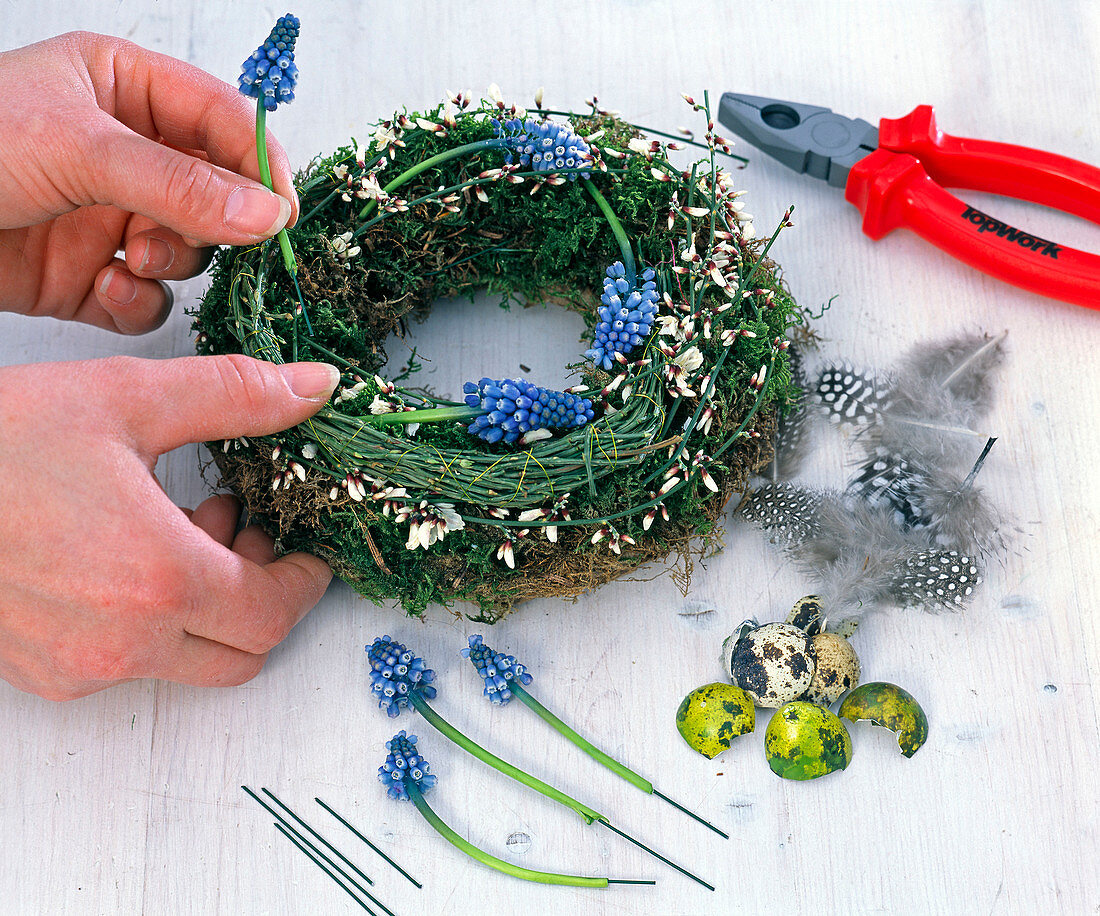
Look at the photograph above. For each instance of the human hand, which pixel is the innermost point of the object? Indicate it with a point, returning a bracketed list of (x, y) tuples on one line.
[(102, 578), (109, 147)]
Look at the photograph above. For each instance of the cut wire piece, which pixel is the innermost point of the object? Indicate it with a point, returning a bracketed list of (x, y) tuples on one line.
[(504, 678), (318, 859), (318, 836), (368, 842), (279, 817)]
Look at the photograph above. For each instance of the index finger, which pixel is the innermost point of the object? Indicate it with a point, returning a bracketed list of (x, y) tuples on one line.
[(161, 97)]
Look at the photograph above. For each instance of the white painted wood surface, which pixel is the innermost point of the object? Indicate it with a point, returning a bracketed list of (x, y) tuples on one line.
[(129, 801)]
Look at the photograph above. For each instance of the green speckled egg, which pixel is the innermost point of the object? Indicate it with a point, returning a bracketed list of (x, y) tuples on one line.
[(710, 717), (804, 741), (891, 707)]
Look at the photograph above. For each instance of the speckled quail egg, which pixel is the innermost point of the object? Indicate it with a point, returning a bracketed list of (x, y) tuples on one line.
[(808, 614), (710, 717), (805, 741), (773, 664), (837, 668), (891, 707)]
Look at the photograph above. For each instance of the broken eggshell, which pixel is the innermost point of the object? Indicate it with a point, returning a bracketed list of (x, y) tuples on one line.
[(710, 717), (805, 741), (773, 664), (808, 614), (837, 668), (891, 707)]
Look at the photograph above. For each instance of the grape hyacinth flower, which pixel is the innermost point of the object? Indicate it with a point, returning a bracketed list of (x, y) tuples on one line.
[(397, 676), (406, 778), (505, 677), (404, 763), (270, 73), (543, 146), (512, 407), (400, 679), (496, 669), (626, 315), (507, 410)]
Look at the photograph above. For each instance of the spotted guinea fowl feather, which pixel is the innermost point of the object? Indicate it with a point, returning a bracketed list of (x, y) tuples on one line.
[(856, 553)]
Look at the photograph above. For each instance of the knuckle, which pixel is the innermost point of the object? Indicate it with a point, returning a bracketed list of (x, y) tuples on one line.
[(189, 187), (245, 381), (241, 673), (161, 594), (267, 632)]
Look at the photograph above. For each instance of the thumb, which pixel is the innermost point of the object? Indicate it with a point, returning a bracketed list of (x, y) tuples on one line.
[(173, 402)]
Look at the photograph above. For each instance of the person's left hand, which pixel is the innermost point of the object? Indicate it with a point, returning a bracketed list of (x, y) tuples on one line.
[(109, 148)]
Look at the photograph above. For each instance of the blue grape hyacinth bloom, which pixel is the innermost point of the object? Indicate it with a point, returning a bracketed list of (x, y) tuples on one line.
[(496, 670), (626, 315), (403, 762), (513, 407), (270, 72), (395, 674), (544, 146)]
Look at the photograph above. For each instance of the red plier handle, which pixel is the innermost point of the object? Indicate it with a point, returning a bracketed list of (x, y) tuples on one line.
[(901, 184)]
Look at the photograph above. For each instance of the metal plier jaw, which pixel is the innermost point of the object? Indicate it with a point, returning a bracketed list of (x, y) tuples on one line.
[(806, 138)]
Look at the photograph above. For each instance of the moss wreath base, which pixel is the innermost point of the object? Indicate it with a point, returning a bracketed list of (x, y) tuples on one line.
[(457, 200)]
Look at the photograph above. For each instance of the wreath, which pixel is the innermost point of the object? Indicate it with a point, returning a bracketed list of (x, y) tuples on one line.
[(513, 491)]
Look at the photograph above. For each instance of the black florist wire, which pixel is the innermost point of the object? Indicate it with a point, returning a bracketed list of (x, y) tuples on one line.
[(319, 859), (368, 842), (282, 820), (505, 678)]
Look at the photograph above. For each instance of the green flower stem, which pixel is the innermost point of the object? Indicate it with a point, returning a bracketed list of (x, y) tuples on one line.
[(437, 159), (679, 138), (616, 228), (530, 781), (289, 260), (469, 183), (590, 749), (620, 769), (426, 415), (328, 198), (448, 730), (265, 176), (474, 852)]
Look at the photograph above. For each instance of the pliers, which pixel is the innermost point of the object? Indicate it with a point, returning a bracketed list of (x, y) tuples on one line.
[(895, 175)]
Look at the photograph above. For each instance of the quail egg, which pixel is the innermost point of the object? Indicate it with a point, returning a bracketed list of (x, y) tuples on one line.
[(773, 664), (891, 707), (807, 614), (837, 668), (805, 741), (710, 717)]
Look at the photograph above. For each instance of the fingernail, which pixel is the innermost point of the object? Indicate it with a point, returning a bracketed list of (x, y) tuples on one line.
[(256, 212), (312, 381), (157, 257), (118, 287)]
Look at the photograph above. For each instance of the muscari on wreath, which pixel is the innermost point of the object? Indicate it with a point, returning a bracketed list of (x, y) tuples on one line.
[(515, 491)]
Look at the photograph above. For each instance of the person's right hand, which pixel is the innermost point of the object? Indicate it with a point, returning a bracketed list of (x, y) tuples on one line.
[(102, 578)]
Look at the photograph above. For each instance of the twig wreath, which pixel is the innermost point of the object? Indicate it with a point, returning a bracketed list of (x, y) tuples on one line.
[(516, 491)]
